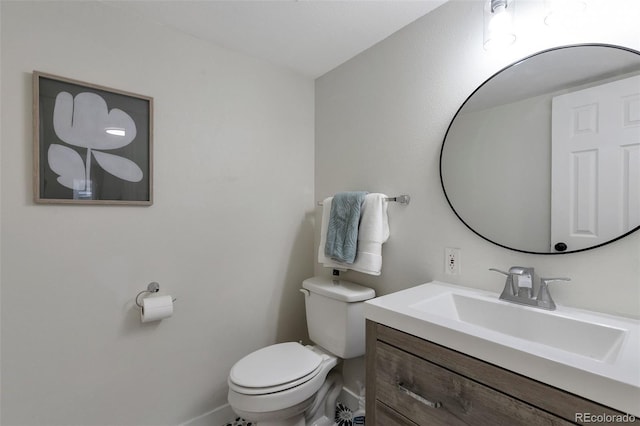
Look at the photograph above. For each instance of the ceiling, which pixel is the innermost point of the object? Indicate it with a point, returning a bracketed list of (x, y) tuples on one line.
[(308, 36)]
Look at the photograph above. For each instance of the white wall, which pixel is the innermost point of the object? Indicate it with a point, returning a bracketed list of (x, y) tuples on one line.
[(380, 122), (229, 235), (480, 153)]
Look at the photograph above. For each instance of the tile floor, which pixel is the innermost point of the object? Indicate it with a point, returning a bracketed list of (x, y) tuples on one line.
[(343, 417), (238, 422)]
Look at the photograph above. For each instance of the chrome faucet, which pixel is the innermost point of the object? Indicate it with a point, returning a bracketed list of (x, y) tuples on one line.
[(518, 288)]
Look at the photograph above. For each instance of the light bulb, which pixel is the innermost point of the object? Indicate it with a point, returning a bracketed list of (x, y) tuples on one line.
[(499, 30)]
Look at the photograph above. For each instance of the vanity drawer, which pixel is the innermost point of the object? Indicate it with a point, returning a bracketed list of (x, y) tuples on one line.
[(387, 416), (408, 384)]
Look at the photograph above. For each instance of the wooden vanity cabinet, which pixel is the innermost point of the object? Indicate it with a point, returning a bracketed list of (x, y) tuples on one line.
[(411, 381)]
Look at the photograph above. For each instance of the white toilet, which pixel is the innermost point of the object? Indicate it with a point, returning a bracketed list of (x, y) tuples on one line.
[(289, 384)]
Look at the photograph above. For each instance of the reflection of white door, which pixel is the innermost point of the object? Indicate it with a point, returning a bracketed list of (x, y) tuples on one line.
[(595, 170)]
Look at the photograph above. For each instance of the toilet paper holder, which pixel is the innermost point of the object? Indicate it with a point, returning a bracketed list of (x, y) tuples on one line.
[(153, 287)]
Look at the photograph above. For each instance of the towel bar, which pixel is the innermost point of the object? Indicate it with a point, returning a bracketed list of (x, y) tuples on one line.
[(402, 199)]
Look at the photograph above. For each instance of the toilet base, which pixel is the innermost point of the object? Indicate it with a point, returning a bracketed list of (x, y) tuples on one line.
[(324, 421), (318, 410), (322, 412), (291, 416)]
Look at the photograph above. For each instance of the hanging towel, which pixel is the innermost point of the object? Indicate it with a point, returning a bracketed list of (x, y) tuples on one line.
[(373, 232), (324, 224), (342, 229)]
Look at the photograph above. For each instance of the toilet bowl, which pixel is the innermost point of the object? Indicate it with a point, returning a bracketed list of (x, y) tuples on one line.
[(278, 382), (289, 384)]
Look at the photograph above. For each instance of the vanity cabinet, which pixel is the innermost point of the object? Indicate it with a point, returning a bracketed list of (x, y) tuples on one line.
[(411, 381)]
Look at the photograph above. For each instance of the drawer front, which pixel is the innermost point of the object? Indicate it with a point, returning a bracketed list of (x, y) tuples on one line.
[(428, 394), (385, 416)]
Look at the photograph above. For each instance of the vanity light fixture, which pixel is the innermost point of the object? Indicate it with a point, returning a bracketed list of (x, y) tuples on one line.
[(498, 24), (563, 13)]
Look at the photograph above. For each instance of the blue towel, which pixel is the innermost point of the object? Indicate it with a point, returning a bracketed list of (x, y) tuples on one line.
[(342, 230)]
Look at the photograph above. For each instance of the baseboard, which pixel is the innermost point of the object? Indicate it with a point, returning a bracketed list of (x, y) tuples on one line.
[(218, 417), (349, 398)]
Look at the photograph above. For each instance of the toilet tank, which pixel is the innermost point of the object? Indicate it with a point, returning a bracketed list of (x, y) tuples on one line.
[(335, 315)]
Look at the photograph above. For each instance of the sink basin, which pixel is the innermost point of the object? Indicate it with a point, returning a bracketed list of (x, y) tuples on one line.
[(593, 340), (587, 353)]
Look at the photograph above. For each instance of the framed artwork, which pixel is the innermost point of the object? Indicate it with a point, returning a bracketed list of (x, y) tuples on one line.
[(92, 144)]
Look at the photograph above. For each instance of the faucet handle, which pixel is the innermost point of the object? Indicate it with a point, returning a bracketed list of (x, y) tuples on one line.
[(544, 297), (546, 281), (511, 284), (515, 270)]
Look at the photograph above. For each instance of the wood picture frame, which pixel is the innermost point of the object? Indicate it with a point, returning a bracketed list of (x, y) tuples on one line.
[(92, 144)]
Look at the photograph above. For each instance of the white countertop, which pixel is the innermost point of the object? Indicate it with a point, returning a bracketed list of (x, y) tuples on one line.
[(613, 381)]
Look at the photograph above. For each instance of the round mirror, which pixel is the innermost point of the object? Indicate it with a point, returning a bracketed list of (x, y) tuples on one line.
[(544, 156)]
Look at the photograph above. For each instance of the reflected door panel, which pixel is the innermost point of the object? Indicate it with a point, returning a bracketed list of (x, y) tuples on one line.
[(595, 185)]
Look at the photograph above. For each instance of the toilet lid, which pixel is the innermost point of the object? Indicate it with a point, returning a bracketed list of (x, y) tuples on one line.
[(275, 365)]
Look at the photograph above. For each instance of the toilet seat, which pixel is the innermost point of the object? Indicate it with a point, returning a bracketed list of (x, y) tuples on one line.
[(275, 368), (297, 393), (274, 389)]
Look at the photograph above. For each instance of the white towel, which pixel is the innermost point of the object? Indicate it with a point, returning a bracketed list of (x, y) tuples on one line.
[(372, 233)]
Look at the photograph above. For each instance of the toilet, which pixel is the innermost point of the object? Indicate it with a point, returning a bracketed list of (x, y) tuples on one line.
[(289, 384)]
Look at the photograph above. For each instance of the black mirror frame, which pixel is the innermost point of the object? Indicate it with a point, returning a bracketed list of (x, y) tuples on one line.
[(462, 106)]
